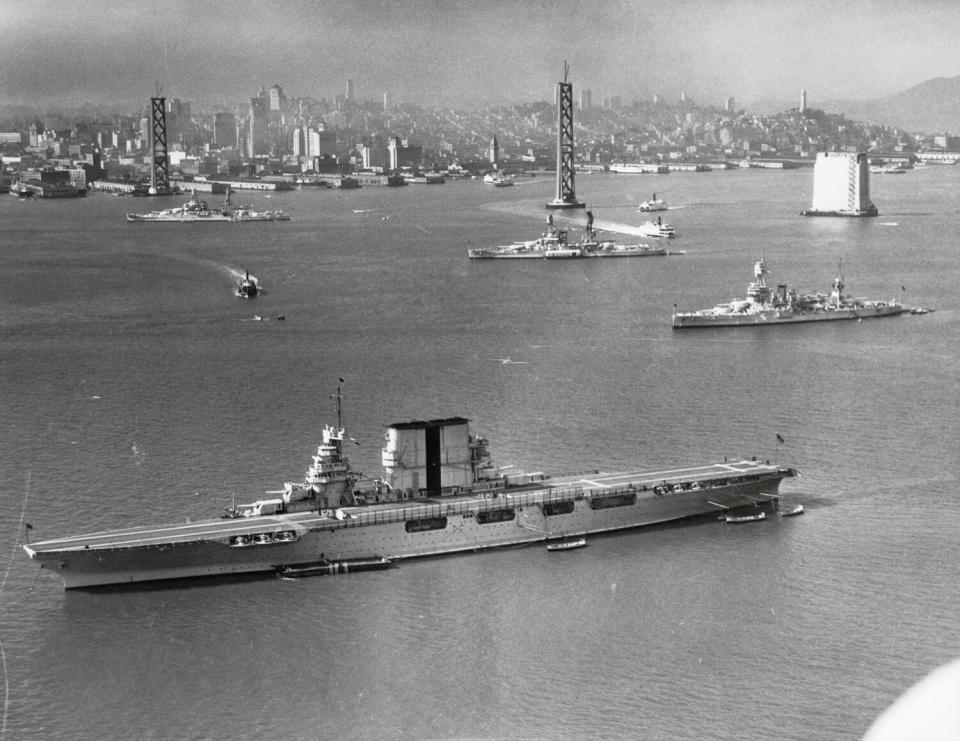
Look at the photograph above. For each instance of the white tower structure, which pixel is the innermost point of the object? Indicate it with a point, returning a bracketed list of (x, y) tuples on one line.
[(803, 100), (841, 185)]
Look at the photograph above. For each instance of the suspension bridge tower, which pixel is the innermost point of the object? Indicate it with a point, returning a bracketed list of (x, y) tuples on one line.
[(566, 196), (160, 169)]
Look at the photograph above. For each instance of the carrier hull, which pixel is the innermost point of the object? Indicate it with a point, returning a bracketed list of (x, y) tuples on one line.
[(510, 516)]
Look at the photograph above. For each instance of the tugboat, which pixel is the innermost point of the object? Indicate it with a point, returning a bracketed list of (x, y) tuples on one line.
[(654, 204), (247, 286), (785, 306)]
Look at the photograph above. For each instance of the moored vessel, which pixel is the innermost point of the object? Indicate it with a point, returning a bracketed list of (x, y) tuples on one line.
[(21, 190), (567, 545), (440, 493), (198, 210), (737, 519), (194, 210), (763, 305)]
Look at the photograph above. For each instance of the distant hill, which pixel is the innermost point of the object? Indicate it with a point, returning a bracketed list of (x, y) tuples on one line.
[(932, 107)]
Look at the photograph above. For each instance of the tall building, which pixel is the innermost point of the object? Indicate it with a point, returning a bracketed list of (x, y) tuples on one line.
[(493, 153), (401, 153), (841, 185), (257, 139), (729, 105), (586, 99), (350, 89), (178, 121), (312, 142), (224, 130), (277, 98), (393, 153), (803, 100)]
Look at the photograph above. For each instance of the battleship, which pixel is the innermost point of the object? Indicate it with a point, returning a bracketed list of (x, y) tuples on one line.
[(555, 244), (763, 306), (198, 210), (440, 493)]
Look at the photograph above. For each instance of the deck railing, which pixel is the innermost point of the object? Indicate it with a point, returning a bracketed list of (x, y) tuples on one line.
[(470, 505)]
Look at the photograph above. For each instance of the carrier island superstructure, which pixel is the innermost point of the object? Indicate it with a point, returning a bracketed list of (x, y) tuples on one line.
[(439, 493)]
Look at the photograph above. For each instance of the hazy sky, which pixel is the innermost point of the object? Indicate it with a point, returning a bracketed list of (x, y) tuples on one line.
[(434, 52)]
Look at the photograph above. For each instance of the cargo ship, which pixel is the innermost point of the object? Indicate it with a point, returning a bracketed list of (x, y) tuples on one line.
[(763, 305), (440, 493)]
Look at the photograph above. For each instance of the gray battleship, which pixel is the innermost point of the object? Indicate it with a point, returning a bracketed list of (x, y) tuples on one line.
[(763, 305)]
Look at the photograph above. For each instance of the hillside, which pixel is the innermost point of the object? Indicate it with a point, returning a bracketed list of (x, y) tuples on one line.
[(930, 107)]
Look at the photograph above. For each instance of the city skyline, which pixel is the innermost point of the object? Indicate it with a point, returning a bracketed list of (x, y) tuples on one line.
[(471, 54)]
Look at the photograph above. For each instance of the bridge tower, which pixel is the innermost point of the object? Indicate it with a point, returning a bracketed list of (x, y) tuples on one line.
[(566, 196), (160, 170)]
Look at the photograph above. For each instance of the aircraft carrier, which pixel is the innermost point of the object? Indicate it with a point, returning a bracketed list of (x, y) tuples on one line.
[(440, 494)]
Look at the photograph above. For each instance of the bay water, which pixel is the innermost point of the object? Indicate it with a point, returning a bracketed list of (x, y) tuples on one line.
[(136, 389)]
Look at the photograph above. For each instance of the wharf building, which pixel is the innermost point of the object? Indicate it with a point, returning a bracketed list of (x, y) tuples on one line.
[(310, 141), (397, 154), (841, 185)]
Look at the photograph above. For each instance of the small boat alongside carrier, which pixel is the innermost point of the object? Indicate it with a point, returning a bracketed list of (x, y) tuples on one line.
[(737, 519), (332, 568), (567, 545)]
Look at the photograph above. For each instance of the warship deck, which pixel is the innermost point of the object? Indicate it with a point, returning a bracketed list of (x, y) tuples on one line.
[(536, 489)]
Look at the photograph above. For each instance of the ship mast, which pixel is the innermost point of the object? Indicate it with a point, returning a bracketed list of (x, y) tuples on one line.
[(339, 397)]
